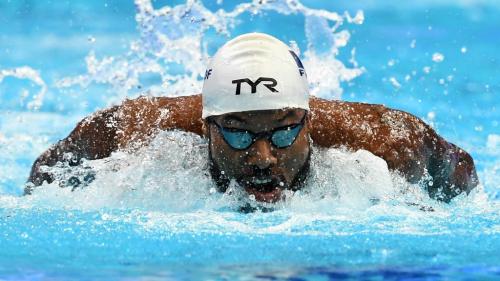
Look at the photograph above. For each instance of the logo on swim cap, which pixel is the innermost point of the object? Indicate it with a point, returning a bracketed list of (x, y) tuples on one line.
[(254, 84), (302, 71), (207, 73), (254, 71)]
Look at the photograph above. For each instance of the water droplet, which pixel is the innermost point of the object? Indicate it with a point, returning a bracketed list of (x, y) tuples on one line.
[(395, 83), (437, 57), (413, 43)]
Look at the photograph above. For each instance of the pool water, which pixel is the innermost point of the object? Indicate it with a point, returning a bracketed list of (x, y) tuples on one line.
[(151, 215)]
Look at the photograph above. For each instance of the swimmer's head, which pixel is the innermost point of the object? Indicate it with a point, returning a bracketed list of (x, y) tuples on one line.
[(256, 103), (254, 71)]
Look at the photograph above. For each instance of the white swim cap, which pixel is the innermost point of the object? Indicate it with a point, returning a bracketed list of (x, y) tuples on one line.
[(254, 71)]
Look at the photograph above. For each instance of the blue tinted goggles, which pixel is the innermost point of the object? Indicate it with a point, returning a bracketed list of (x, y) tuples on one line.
[(281, 137)]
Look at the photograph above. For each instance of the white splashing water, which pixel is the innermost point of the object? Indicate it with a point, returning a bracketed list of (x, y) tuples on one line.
[(151, 179), (176, 194), (176, 37), (26, 72)]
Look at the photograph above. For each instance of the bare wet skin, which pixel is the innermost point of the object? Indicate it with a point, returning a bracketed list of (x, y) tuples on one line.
[(262, 169)]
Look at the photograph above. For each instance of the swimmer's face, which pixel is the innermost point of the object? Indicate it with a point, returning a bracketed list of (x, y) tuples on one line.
[(270, 164)]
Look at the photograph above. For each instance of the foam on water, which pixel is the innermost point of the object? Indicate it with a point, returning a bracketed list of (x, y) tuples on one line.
[(176, 194), (152, 179)]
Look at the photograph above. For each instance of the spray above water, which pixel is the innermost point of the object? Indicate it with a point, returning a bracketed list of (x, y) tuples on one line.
[(151, 179), (32, 75), (174, 43), (158, 192)]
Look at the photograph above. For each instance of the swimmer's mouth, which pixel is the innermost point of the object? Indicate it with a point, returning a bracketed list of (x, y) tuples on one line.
[(267, 189)]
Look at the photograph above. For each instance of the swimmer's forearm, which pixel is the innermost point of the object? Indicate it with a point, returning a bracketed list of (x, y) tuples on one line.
[(49, 158), (93, 138), (452, 170)]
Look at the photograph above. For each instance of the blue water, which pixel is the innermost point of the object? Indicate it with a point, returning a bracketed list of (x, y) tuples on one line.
[(61, 61)]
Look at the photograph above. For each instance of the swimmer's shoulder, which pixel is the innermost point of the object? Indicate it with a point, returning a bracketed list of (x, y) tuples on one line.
[(342, 123), (143, 117)]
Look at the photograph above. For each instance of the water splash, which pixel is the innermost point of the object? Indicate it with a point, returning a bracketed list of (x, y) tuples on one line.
[(174, 41), (26, 72), (150, 179), (157, 192)]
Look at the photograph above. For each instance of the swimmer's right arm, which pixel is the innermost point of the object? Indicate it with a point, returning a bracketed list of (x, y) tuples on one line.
[(124, 127), (94, 137)]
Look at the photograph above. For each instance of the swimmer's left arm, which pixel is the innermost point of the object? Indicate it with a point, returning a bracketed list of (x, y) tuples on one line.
[(405, 142), (452, 170)]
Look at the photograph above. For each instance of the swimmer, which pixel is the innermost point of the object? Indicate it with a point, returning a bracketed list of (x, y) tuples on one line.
[(260, 123)]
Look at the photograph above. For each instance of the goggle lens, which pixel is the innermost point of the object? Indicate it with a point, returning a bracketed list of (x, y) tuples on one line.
[(238, 140), (285, 138), (280, 138)]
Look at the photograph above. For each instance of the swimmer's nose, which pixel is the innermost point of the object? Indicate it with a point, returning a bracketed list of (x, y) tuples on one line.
[(261, 154)]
